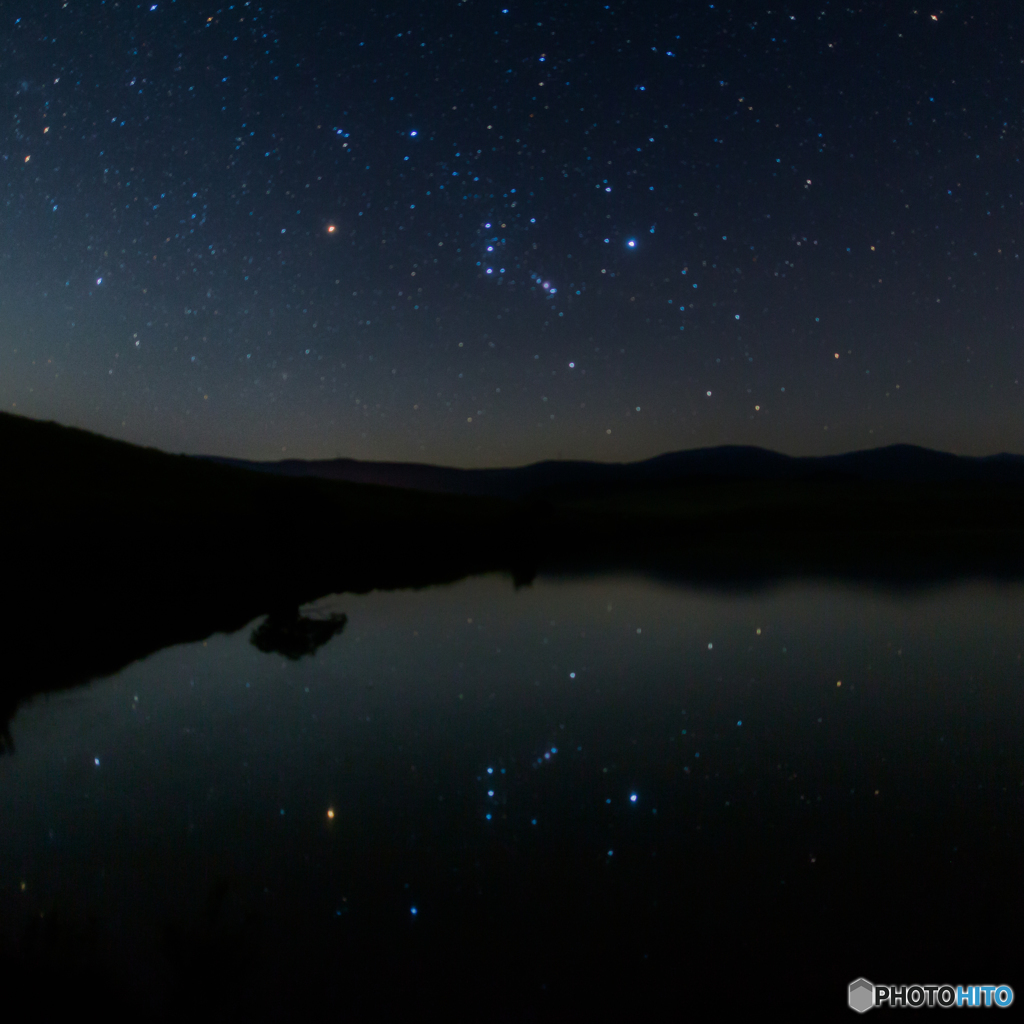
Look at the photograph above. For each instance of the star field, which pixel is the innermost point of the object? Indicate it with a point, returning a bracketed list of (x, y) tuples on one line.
[(486, 234)]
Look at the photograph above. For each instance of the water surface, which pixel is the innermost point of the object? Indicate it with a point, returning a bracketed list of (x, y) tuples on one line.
[(583, 795)]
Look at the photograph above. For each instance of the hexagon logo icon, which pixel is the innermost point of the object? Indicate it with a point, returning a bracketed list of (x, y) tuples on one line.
[(861, 995)]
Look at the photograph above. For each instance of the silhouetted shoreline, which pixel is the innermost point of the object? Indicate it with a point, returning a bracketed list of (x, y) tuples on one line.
[(118, 551)]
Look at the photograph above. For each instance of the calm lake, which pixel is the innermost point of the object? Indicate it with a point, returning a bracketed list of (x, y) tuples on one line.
[(586, 795)]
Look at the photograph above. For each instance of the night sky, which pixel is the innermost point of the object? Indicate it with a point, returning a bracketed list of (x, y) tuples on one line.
[(479, 234)]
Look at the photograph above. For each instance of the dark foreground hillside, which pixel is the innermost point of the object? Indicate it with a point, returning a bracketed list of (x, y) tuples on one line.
[(113, 551)]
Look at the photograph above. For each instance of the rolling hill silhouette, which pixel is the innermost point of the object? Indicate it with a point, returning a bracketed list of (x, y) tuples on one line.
[(901, 463)]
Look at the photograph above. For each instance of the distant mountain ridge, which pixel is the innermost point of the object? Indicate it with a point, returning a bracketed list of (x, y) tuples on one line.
[(895, 463)]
